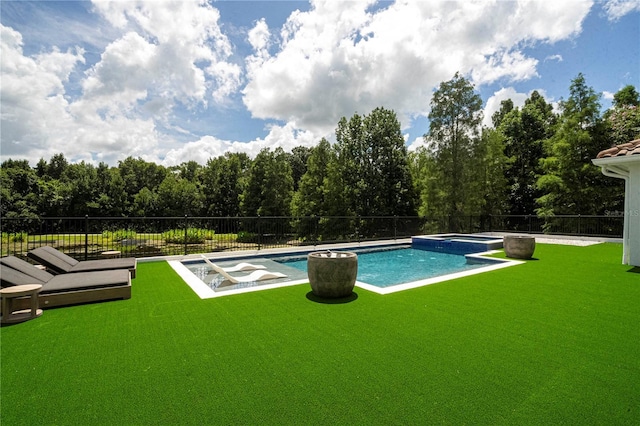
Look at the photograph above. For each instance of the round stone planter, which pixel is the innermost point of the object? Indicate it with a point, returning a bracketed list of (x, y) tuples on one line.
[(332, 274), (519, 246)]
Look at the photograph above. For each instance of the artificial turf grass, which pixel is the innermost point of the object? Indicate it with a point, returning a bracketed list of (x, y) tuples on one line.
[(550, 341)]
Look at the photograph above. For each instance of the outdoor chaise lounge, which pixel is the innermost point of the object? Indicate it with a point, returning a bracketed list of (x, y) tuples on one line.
[(243, 266), (65, 289), (59, 263), (259, 275)]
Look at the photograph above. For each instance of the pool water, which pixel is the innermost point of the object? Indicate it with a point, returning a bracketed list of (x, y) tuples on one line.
[(398, 266)]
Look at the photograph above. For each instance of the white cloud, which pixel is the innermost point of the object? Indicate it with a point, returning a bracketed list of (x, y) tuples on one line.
[(33, 107), (169, 55), (512, 65), (259, 36), (340, 58), (616, 9), (184, 35), (286, 137), (494, 102), (608, 95), (558, 58), (416, 144)]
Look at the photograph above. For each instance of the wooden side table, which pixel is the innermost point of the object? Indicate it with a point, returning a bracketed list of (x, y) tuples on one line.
[(112, 254), (9, 294)]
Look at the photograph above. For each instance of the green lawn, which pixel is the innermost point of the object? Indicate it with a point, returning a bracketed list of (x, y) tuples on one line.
[(553, 341)]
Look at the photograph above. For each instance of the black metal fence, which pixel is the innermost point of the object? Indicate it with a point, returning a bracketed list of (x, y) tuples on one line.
[(87, 237)]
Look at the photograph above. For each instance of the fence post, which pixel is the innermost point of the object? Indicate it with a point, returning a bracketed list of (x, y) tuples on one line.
[(185, 235), (259, 234), (86, 236), (314, 222), (395, 227), (578, 224)]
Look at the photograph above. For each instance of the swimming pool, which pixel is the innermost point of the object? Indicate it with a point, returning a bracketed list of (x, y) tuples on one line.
[(390, 267), (407, 269)]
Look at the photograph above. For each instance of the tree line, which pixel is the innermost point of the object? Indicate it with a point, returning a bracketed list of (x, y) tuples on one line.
[(531, 160)]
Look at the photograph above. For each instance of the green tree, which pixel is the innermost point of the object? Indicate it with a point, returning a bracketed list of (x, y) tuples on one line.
[(490, 179), (427, 183), (455, 117), (298, 161), (524, 132), (623, 119), (627, 96), (506, 106), (57, 165), (18, 189), (309, 199), (190, 170), (177, 196), (110, 192), (80, 189), (146, 204), (570, 183), (137, 174), (370, 175), (223, 180), (269, 185)]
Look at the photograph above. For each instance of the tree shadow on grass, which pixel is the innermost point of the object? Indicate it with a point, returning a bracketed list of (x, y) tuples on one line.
[(337, 301)]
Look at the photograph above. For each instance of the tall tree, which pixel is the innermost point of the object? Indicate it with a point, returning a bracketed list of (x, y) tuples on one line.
[(623, 119), (571, 184), (18, 189), (137, 174), (524, 132), (627, 96), (80, 185), (309, 199), (223, 180), (57, 165), (269, 185), (298, 161), (455, 117), (178, 196), (489, 173), (112, 192), (427, 183), (506, 106), (370, 175)]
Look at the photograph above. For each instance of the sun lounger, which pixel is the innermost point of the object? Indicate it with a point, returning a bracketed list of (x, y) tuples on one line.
[(60, 263), (65, 289), (259, 275), (243, 266)]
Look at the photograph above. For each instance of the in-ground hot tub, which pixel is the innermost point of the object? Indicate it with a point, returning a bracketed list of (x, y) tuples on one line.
[(457, 243)]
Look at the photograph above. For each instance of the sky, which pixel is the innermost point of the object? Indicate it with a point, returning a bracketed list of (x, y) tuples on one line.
[(170, 82)]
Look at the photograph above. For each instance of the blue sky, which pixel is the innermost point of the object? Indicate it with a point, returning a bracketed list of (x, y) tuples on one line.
[(189, 80)]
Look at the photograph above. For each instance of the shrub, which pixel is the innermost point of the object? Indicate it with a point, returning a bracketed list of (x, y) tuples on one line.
[(15, 237), (119, 234), (247, 237), (193, 236)]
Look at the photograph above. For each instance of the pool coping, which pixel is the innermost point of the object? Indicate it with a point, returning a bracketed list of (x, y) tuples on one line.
[(205, 292)]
